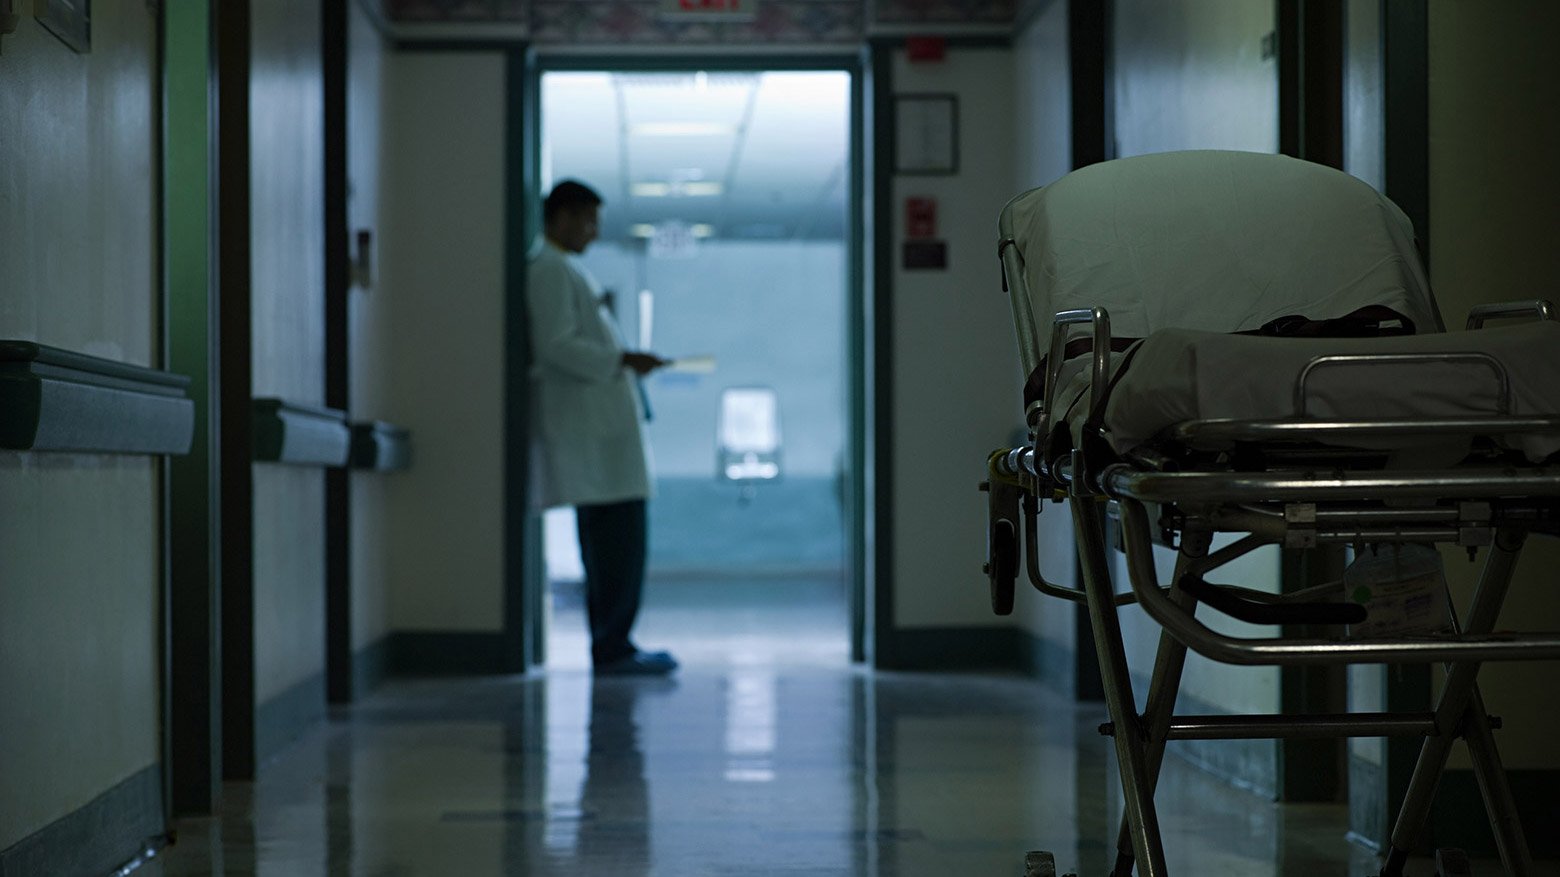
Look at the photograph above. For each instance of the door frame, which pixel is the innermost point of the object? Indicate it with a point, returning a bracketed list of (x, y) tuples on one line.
[(523, 563)]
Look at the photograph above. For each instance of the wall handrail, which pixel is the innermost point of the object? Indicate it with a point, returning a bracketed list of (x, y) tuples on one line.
[(299, 433), (381, 447), (53, 399)]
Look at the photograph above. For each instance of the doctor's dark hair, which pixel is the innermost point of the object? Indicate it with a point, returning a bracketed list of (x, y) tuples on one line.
[(568, 195)]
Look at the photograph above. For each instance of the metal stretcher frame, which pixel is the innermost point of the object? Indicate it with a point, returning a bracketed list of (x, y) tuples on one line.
[(1490, 506)]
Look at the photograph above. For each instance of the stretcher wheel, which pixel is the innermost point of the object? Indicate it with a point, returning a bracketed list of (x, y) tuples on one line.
[(1039, 863), (1452, 863)]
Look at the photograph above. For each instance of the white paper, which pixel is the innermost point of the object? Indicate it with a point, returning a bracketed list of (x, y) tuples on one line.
[(693, 364)]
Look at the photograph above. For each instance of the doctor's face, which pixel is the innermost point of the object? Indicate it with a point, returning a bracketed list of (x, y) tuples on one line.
[(576, 228)]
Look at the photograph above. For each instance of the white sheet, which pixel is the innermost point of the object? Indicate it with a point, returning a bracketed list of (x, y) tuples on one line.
[(1219, 241), (1178, 375)]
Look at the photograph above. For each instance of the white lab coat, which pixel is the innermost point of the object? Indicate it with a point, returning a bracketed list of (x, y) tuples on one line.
[(587, 443)]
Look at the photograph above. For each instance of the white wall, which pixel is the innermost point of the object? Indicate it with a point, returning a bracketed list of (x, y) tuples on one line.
[(441, 287), (79, 534), (956, 384), (1042, 99), (287, 307), (1189, 74), (1494, 136), (1042, 122)]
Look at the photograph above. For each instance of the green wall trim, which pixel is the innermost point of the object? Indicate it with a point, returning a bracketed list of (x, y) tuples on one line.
[(1051, 664), (449, 653), (57, 400), (955, 648), (304, 435), (285, 717), (1369, 822), (370, 667), (192, 698), (381, 447), (116, 827), (1458, 819), (1246, 764)]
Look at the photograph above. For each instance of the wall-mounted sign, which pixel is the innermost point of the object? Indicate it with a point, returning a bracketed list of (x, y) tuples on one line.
[(709, 10), (926, 134)]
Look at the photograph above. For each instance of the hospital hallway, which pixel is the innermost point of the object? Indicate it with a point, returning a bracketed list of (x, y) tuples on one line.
[(766, 754)]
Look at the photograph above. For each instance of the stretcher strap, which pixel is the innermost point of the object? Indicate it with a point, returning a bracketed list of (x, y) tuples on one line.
[(1253, 612)]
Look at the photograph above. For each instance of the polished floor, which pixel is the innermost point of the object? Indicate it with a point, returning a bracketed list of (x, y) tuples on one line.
[(768, 754)]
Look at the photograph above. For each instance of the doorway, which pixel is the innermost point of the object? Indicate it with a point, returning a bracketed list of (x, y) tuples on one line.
[(728, 242)]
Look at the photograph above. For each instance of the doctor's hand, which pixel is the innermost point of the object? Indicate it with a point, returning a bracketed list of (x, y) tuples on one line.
[(643, 363)]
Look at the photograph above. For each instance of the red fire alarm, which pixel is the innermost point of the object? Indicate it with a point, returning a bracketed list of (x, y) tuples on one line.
[(920, 218), (926, 48)]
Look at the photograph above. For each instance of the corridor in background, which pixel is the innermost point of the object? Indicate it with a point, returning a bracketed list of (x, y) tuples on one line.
[(724, 242)]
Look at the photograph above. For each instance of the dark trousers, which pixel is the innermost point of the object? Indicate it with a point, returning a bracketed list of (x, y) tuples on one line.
[(613, 539)]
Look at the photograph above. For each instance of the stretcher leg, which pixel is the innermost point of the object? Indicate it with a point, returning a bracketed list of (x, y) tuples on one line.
[(1136, 787), (1456, 696), (1163, 687), (1495, 789)]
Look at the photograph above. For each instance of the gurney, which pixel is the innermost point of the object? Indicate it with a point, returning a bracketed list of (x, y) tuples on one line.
[(1245, 346)]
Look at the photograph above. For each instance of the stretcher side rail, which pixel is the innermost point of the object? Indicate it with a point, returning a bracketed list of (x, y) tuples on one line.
[(1015, 467), (1537, 308), (1224, 433)]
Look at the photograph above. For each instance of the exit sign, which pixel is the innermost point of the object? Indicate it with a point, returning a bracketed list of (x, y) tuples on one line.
[(709, 10)]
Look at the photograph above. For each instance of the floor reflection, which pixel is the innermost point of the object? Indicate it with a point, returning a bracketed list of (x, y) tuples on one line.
[(748, 768)]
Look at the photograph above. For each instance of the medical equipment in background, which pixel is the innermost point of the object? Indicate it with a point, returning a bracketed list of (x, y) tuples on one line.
[(646, 319), (1236, 343), (747, 443)]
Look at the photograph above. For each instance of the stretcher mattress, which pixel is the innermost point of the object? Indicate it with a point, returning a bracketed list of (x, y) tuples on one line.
[(1180, 375), (1215, 240)]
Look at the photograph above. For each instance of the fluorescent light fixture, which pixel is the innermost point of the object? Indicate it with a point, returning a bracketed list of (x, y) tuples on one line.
[(690, 189), (702, 230), (642, 230), (682, 129)]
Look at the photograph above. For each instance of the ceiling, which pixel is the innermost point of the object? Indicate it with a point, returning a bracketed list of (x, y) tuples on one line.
[(724, 155)]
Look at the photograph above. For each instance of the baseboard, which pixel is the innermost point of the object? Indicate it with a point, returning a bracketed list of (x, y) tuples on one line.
[(370, 666), (1052, 665), (1368, 819), (1458, 820), (115, 828), (954, 648), (282, 719), (1245, 764), (441, 653), (983, 648)]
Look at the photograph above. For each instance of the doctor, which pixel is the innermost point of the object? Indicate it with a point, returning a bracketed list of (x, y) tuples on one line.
[(589, 450)]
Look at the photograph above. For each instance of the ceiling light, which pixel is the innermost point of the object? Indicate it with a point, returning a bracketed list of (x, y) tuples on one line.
[(682, 129), (642, 230), (698, 188), (650, 190), (702, 230)]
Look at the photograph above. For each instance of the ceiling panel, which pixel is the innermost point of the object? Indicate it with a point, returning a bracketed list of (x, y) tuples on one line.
[(753, 155)]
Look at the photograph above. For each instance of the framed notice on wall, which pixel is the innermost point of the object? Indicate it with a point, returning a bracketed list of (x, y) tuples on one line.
[(70, 20), (926, 134)]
